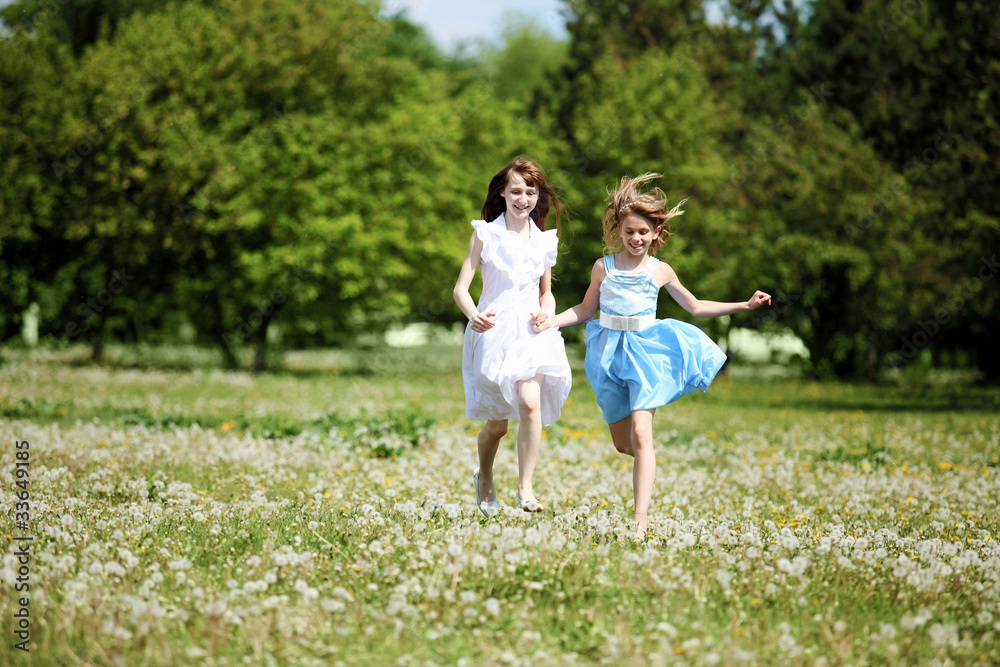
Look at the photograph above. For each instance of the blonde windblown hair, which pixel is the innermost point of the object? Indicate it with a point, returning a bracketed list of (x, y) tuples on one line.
[(628, 200)]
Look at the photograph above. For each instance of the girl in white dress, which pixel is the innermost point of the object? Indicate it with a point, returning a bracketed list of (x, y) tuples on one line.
[(510, 370)]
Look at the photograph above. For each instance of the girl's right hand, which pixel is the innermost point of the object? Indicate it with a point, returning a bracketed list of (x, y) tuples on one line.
[(481, 322), (758, 299), (541, 321)]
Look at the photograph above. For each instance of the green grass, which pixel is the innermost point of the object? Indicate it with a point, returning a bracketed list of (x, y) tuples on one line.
[(323, 514)]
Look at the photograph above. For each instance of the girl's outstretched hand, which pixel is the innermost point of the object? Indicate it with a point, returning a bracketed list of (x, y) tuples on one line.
[(540, 321), (481, 322), (758, 299)]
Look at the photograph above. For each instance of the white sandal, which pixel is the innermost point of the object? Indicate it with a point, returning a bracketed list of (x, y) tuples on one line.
[(529, 505), (640, 531), (490, 508)]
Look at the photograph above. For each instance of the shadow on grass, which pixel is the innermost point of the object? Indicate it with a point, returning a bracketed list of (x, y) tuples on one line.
[(363, 362), (849, 397), (380, 436)]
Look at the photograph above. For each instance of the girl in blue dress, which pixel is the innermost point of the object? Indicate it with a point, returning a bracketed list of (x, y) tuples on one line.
[(636, 363)]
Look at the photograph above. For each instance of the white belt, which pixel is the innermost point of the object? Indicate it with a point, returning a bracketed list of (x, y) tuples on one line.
[(627, 322)]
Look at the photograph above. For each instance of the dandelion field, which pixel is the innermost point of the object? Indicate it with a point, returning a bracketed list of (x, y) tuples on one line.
[(325, 515)]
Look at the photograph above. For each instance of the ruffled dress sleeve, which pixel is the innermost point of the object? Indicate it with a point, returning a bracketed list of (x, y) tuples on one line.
[(498, 251), (489, 240), (550, 248)]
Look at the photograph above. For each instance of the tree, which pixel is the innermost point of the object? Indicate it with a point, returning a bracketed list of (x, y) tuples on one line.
[(241, 102), (524, 63), (648, 113), (842, 285), (921, 80), (40, 122), (78, 23)]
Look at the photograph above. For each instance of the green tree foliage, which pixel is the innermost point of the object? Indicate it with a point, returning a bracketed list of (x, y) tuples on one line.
[(524, 64), (599, 28), (844, 290), (792, 197), (267, 158), (77, 23), (922, 79), (251, 164), (38, 120)]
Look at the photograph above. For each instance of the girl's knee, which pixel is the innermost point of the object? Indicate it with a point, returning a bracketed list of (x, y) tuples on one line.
[(529, 404), (642, 437), (497, 429), (623, 447)]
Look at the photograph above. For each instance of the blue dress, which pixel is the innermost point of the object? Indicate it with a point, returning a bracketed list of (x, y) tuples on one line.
[(641, 370)]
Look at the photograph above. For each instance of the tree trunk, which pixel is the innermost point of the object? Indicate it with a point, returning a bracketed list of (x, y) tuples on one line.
[(229, 360), (97, 351), (260, 353), (228, 356), (988, 360), (135, 320)]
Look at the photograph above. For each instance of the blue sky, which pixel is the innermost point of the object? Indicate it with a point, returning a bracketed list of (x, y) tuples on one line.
[(449, 22)]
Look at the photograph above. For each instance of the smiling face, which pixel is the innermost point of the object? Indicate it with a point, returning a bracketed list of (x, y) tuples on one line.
[(637, 234), (519, 196)]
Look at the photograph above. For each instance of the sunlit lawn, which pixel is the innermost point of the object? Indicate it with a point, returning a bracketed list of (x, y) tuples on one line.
[(324, 514)]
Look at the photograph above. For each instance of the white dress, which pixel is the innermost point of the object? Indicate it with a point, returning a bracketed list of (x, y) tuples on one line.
[(493, 362)]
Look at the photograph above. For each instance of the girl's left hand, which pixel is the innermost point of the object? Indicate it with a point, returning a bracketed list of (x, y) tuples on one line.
[(540, 321), (758, 299)]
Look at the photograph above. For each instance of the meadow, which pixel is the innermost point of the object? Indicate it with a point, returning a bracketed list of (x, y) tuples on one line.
[(324, 515)]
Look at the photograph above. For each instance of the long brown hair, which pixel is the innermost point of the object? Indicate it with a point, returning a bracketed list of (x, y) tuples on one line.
[(534, 177), (652, 207)]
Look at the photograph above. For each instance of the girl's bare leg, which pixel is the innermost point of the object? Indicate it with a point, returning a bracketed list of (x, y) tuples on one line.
[(644, 467), (621, 435), (529, 434), (489, 443)]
